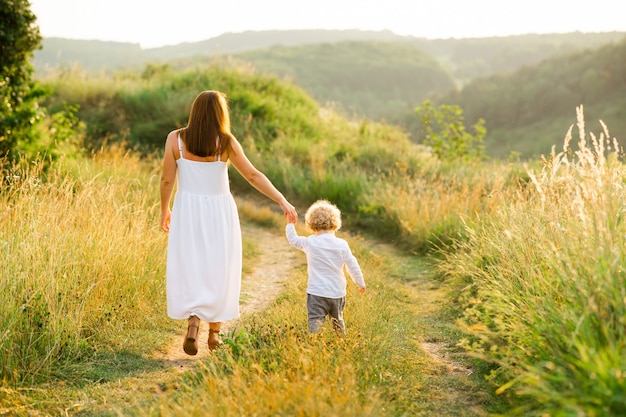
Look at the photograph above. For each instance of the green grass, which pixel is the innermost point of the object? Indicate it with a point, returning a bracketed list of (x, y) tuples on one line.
[(543, 283)]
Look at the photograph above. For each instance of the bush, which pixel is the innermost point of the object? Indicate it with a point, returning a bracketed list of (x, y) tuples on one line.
[(19, 95)]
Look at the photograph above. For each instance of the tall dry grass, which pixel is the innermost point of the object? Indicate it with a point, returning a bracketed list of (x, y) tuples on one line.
[(543, 284), (430, 211), (82, 263)]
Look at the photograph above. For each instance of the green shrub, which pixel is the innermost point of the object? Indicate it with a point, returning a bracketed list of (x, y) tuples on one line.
[(19, 95)]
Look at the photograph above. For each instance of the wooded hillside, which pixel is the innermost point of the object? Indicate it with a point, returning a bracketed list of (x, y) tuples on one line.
[(527, 108), (376, 80), (525, 87)]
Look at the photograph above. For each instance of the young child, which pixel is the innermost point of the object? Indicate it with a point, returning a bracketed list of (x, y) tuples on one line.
[(326, 256)]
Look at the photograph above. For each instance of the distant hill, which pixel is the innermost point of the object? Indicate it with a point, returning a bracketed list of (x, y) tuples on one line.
[(90, 55), (95, 55), (465, 58), (473, 58), (234, 43), (529, 110), (373, 79)]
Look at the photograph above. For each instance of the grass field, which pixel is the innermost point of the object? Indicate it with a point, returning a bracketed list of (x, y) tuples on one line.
[(494, 288), (84, 308)]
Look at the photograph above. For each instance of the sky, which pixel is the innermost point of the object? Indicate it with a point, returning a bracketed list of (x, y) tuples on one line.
[(154, 23)]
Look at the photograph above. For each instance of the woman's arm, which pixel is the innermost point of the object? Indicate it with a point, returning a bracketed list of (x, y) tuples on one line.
[(258, 180), (168, 179)]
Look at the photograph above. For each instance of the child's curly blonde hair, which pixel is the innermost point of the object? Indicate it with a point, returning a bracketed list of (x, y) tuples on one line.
[(323, 215)]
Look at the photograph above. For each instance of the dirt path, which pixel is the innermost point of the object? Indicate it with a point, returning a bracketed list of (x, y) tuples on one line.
[(259, 288), (431, 301), (262, 285)]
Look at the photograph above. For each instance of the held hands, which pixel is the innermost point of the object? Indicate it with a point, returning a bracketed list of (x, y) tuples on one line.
[(292, 218), (290, 212)]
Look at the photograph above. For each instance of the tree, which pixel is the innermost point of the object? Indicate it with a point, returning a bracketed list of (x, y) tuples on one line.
[(19, 95), (443, 129)]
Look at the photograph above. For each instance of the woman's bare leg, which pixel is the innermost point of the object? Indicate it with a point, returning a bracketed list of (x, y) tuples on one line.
[(214, 335)]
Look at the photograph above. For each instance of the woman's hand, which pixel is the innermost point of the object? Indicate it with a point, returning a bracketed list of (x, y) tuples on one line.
[(165, 220), (290, 211)]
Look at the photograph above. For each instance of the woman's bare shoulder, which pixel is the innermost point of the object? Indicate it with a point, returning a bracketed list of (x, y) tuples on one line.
[(231, 149), (172, 137), (173, 134)]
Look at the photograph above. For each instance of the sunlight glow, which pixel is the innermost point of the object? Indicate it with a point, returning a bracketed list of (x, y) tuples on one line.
[(153, 23)]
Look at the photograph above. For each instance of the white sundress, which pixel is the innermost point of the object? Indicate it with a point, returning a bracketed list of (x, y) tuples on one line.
[(203, 272)]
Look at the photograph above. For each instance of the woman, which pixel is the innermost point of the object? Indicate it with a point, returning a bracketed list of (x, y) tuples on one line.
[(203, 274)]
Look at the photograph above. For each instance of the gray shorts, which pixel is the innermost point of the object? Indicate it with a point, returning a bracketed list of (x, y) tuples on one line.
[(320, 307)]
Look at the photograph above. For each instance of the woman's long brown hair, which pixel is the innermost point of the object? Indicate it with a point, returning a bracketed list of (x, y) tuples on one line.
[(208, 130)]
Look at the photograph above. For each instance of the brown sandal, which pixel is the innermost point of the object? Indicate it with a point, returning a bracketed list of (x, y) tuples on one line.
[(214, 339), (190, 345)]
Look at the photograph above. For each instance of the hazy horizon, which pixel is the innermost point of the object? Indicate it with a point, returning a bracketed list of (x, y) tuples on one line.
[(156, 23)]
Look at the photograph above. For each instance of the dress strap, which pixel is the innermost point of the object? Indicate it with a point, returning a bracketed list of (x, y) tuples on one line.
[(180, 146)]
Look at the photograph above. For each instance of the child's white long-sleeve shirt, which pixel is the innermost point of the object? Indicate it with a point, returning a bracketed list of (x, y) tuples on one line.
[(326, 255)]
